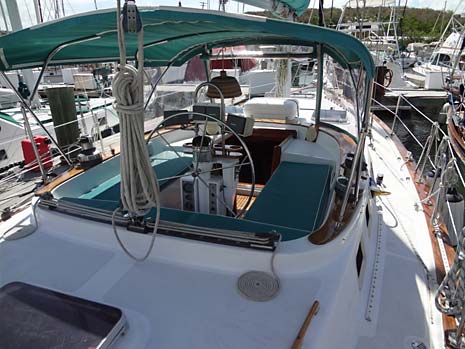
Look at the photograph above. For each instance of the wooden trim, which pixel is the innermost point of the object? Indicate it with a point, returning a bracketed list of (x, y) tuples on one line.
[(278, 121), (328, 231), (277, 151), (456, 140), (303, 330), (73, 172), (272, 134)]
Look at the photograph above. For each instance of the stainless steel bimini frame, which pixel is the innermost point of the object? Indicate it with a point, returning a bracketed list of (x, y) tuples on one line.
[(26, 104)]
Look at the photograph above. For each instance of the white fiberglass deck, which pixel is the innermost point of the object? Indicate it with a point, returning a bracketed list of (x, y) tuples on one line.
[(185, 295), (403, 308)]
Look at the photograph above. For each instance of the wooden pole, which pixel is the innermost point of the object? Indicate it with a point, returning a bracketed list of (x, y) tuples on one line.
[(303, 330)]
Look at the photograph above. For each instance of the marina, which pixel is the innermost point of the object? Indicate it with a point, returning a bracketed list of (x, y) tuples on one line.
[(176, 177)]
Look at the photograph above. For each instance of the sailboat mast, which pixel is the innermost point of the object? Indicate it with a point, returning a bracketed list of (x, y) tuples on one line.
[(38, 9), (4, 16), (13, 15), (321, 21)]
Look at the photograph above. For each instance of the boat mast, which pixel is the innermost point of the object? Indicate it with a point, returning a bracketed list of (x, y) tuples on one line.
[(38, 8), (16, 24), (13, 15), (4, 16)]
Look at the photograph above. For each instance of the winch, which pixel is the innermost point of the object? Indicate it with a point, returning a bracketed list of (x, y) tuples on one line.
[(88, 156)]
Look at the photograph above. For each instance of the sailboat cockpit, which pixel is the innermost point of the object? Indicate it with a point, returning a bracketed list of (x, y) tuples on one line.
[(267, 193)]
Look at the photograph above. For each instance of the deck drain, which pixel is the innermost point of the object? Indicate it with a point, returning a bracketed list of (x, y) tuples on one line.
[(258, 286)]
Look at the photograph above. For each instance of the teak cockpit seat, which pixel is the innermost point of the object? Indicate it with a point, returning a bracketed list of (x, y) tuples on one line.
[(296, 196)]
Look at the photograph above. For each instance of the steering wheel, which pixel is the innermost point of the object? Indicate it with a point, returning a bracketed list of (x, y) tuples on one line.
[(194, 169)]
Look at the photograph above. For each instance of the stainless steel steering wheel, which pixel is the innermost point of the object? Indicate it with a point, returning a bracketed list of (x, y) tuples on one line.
[(194, 169)]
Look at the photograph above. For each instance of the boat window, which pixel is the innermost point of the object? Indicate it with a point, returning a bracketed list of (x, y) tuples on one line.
[(3, 154), (462, 62), (367, 215), (444, 60), (176, 86), (359, 259)]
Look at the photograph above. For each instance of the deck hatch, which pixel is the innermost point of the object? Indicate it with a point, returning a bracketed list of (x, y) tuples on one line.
[(35, 317)]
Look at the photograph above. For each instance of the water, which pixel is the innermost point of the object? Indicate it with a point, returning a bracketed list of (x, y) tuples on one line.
[(419, 126)]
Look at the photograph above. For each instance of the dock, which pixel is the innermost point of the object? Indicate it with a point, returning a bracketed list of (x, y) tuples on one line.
[(417, 93)]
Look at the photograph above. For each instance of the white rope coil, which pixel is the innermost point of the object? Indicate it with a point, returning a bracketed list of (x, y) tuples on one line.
[(139, 185)]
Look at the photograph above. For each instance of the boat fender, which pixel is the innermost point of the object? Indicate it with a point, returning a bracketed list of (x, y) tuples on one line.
[(456, 204), (429, 179)]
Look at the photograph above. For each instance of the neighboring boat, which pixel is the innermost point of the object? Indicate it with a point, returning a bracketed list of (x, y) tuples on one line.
[(272, 232), (446, 64), (380, 37), (407, 59), (89, 114)]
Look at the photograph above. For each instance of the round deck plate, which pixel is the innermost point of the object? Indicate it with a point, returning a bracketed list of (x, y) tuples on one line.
[(258, 286)]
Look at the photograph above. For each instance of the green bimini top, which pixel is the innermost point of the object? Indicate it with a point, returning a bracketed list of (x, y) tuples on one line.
[(172, 35)]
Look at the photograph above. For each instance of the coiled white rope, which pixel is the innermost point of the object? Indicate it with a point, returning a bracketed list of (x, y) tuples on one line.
[(139, 185)]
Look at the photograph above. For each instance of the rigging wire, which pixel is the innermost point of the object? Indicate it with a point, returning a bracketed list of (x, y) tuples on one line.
[(311, 12)]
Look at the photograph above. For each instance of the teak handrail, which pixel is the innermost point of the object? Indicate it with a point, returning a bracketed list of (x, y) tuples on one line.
[(303, 330)]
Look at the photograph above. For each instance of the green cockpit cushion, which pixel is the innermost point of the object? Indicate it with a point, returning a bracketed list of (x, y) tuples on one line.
[(164, 168), (296, 196)]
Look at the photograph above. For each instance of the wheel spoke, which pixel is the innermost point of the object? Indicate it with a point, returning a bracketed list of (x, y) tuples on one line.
[(173, 149), (175, 177), (194, 168), (201, 145), (225, 168)]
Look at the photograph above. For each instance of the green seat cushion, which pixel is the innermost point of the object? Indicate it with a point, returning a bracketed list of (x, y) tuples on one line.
[(164, 168), (199, 219), (296, 196)]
